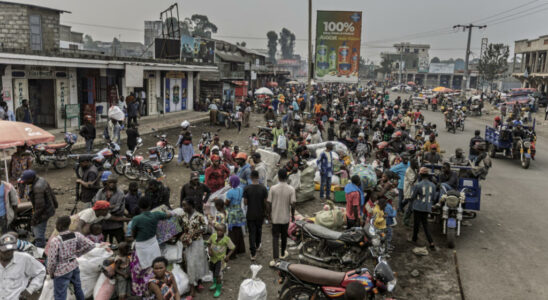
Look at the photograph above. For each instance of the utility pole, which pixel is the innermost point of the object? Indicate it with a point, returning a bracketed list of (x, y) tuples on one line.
[(465, 80), (401, 63), (309, 85)]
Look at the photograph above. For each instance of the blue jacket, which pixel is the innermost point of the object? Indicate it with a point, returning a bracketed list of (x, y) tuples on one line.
[(400, 170), (324, 165), (423, 196), (390, 214)]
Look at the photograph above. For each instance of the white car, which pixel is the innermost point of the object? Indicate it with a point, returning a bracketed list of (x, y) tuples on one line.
[(403, 87)]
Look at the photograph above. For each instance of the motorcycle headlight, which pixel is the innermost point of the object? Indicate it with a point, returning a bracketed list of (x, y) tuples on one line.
[(376, 241), (527, 144), (452, 201)]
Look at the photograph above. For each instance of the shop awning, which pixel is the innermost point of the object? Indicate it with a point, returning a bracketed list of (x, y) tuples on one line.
[(230, 57)]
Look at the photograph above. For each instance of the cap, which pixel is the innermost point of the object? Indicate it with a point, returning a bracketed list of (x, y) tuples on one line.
[(256, 155), (241, 155), (194, 175), (8, 242), (84, 157), (101, 204), (215, 158), (105, 176), (423, 170), (27, 175)]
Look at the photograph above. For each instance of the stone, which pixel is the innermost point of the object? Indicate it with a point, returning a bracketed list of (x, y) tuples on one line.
[(415, 273)]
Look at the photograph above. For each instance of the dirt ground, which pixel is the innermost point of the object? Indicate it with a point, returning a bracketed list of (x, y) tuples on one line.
[(436, 278)]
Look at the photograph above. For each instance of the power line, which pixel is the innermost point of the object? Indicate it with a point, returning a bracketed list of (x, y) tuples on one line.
[(519, 17), (525, 11), (483, 20)]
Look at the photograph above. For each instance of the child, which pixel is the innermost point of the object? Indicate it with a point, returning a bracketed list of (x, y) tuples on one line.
[(219, 243), (131, 199), (390, 213), (123, 274), (254, 142), (378, 214), (96, 233)]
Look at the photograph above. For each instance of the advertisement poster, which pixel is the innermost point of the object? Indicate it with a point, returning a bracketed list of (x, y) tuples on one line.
[(198, 50), (338, 39), (175, 93), (424, 64), (187, 46)]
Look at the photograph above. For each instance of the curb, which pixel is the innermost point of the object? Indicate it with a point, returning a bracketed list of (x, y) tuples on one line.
[(81, 145)]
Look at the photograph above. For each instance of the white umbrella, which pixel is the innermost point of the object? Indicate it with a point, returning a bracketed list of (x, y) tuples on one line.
[(292, 82), (263, 91)]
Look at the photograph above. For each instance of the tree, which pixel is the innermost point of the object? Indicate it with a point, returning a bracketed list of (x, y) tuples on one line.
[(202, 26), (287, 43), (435, 60), (494, 61), (272, 45), (89, 43), (386, 65), (243, 44)]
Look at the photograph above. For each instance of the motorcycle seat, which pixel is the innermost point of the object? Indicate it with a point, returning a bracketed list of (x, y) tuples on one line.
[(23, 207), (322, 232), (317, 275), (56, 146)]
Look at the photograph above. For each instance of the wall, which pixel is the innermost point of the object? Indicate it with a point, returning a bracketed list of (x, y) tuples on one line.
[(15, 31)]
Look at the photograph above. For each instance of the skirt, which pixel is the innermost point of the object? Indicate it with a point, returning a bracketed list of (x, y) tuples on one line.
[(139, 276), (185, 153), (147, 251), (196, 261), (237, 236)]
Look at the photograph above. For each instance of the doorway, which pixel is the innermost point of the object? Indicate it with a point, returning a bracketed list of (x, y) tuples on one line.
[(42, 102)]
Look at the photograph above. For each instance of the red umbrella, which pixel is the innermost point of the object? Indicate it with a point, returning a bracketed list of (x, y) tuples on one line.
[(20, 133), (410, 83), (272, 84)]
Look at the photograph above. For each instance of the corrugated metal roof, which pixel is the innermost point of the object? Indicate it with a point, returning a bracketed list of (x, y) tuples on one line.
[(35, 6), (230, 57)]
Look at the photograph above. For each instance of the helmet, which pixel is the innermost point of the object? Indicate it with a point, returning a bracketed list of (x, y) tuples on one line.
[(88, 117), (397, 134), (331, 120), (389, 123), (185, 124), (464, 108), (517, 123), (523, 109), (270, 107), (361, 134), (382, 145), (497, 118), (215, 158), (241, 155)]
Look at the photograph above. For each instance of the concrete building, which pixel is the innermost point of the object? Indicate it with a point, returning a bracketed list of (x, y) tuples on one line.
[(533, 69), (34, 67), (69, 39)]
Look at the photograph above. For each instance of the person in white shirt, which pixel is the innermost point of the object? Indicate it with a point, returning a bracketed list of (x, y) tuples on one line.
[(21, 275)]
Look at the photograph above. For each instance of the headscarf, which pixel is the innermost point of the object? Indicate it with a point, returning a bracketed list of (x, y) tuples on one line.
[(101, 204), (234, 181)]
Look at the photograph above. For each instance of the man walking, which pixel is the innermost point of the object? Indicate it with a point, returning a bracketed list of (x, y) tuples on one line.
[(281, 200), (260, 167), (90, 179), (88, 133), (423, 197), (325, 163), (255, 196), (21, 275), (62, 264), (115, 196), (196, 190), (43, 202)]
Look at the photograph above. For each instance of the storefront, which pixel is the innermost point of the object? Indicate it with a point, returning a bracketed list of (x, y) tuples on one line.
[(175, 91)]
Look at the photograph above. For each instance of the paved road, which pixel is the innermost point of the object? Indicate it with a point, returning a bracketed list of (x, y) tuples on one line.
[(503, 254)]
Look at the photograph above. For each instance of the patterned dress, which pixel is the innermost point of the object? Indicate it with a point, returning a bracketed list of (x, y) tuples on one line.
[(195, 255), (165, 285), (236, 218)]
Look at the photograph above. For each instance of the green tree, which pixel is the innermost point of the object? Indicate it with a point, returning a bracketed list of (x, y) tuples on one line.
[(494, 61), (89, 43), (202, 27), (272, 45), (435, 60), (386, 65), (287, 43)]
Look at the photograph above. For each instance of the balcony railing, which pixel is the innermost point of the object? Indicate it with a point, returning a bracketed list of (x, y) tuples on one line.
[(232, 74)]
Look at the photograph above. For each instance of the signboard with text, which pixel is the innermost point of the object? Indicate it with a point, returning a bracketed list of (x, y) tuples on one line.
[(441, 68), (338, 40)]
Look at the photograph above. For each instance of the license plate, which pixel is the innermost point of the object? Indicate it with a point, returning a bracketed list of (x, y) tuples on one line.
[(452, 223)]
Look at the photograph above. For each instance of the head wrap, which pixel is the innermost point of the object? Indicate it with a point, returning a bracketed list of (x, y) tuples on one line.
[(234, 181), (101, 204)]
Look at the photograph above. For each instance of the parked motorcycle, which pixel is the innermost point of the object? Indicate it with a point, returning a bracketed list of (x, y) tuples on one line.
[(197, 162), (265, 134), (104, 159), (137, 168), (58, 154), (451, 216), (308, 282), (164, 152), (339, 250)]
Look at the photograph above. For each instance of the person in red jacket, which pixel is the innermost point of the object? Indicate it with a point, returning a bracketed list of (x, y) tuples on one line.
[(216, 174)]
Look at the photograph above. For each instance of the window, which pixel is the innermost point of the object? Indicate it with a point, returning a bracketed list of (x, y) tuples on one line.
[(416, 50), (35, 33), (546, 42)]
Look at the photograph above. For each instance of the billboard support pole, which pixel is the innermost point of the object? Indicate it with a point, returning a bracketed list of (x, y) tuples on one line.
[(309, 83)]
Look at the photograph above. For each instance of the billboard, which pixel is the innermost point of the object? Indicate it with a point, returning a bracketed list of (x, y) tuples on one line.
[(441, 68), (338, 39), (197, 49), (423, 64)]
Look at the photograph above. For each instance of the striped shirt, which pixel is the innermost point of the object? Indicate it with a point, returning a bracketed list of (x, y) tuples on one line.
[(64, 250)]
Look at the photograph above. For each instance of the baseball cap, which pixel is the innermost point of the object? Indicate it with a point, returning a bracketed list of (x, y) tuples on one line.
[(8, 242), (27, 175), (105, 176), (194, 175)]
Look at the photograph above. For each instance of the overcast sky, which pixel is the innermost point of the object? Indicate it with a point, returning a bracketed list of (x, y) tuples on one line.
[(385, 21)]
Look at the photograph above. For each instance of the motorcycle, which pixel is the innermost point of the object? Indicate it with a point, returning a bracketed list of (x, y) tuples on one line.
[(308, 282), (197, 162), (164, 152), (58, 154), (229, 119), (527, 150), (104, 159), (451, 216), (265, 134), (452, 125), (434, 106), (340, 250), (137, 168)]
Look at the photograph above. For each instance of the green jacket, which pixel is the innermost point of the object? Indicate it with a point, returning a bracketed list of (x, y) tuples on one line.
[(20, 114)]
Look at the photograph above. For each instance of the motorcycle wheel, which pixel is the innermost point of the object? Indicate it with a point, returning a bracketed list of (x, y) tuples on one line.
[(61, 162), (170, 154), (79, 172), (525, 162), (462, 127), (451, 237), (131, 173), (119, 166), (297, 292), (265, 139), (196, 164)]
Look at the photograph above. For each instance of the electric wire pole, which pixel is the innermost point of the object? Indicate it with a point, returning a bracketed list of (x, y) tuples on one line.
[(465, 78), (310, 62)]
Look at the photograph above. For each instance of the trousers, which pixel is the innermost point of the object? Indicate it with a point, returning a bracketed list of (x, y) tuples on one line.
[(255, 228), (421, 217), (60, 285), (279, 230)]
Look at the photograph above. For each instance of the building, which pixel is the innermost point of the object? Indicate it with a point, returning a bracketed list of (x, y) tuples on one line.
[(34, 67), (533, 69), (153, 30), (69, 39)]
